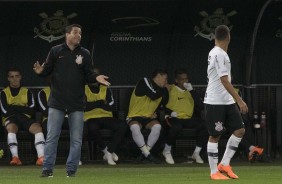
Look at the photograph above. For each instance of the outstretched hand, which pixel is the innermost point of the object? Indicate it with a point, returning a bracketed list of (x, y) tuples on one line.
[(102, 79), (38, 68)]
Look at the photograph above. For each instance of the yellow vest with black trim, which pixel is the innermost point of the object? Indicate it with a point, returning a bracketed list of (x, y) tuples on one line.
[(180, 102), (142, 106), (21, 99), (47, 92), (93, 97)]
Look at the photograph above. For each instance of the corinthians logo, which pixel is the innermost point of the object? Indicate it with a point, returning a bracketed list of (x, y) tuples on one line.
[(210, 22), (52, 28)]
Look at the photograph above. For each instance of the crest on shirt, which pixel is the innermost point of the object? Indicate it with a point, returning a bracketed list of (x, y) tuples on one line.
[(210, 22), (53, 28), (218, 126), (79, 59)]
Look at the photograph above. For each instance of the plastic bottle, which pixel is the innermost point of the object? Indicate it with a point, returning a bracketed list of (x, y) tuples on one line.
[(256, 122), (263, 120)]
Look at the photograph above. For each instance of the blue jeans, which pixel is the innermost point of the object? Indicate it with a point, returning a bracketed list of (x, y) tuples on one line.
[(54, 127)]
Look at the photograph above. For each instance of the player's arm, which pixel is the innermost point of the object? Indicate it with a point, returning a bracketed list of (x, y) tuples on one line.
[(42, 100), (144, 87), (7, 110), (29, 109), (93, 105), (228, 86)]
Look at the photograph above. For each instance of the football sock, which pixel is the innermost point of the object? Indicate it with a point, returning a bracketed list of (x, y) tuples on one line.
[(213, 156), (230, 149), (137, 135), (39, 143), (13, 144), (154, 135)]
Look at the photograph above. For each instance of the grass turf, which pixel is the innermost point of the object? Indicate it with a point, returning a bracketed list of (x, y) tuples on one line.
[(143, 174)]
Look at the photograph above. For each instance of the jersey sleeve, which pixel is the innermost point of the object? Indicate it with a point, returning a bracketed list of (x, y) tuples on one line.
[(220, 66)]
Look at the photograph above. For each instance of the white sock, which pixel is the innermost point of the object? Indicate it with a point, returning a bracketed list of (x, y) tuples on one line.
[(154, 135), (105, 150), (213, 156), (167, 148), (149, 147), (251, 147), (230, 149), (137, 135), (197, 150), (13, 144), (145, 150), (39, 142)]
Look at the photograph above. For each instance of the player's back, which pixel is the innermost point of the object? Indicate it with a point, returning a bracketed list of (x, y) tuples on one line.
[(218, 65)]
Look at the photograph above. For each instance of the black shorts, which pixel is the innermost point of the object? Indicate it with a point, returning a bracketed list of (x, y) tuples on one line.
[(142, 120), (220, 118), (23, 122)]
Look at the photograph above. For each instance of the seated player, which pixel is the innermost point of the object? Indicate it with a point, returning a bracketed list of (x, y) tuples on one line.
[(180, 113), (17, 105), (98, 115), (145, 99)]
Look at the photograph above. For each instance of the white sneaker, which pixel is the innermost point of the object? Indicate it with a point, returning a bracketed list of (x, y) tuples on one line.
[(197, 158), (115, 157), (168, 157), (109, 158)]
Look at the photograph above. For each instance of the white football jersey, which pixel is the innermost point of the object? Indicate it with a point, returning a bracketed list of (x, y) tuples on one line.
[(218, 65)]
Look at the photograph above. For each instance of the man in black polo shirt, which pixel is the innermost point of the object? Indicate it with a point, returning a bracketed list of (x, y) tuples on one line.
[(70, 66)]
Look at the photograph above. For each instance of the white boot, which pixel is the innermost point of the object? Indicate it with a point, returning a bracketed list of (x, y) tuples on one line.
[(109, 158), (197, 158), (115, 157), (168, 157)]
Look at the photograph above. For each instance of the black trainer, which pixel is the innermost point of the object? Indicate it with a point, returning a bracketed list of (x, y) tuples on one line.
[(70, 174), (152, 159), (47, 174)]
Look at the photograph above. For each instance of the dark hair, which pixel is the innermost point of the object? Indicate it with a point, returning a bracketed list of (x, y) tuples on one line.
[(221, 32), (158, 71), (180, 71), (13, 69), (69, 27)]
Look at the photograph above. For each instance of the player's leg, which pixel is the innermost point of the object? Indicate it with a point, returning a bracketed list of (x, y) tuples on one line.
[(215, 117), (39, 140), (236, 125), (174, 127), (12, 129)]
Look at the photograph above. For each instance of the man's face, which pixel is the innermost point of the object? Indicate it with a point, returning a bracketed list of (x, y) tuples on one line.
[(14, 79), (74, 36), (161, 80), (181, 79)]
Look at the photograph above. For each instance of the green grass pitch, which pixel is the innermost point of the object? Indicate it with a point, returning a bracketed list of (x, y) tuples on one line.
[(142, 174)]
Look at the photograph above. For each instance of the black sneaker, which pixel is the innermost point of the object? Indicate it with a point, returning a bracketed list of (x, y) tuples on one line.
[(47, 174), (70, 174), (152, 159)]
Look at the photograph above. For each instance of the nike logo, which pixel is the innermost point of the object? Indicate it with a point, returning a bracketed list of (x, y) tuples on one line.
[(61, 57), (179, 98)]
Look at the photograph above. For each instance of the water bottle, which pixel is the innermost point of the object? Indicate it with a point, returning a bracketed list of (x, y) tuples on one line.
[(263, 120), (256, 122)]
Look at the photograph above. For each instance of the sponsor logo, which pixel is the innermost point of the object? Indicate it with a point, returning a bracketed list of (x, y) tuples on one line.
[(53, 28), (210, 22), (130, 23)]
